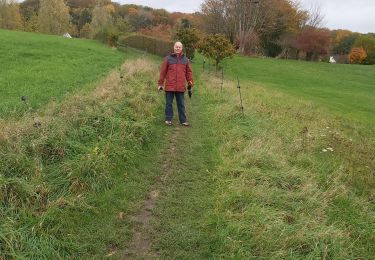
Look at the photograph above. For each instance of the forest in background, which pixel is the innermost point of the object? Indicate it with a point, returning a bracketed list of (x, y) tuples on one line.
[(273, 28)]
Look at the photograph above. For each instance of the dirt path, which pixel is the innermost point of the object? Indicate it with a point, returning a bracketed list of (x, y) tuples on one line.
[(140, 246)]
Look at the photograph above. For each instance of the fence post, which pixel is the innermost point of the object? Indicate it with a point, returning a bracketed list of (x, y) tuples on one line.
[(222, 78), (239, 91)]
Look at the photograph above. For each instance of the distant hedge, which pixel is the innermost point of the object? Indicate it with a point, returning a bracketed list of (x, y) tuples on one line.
[(146, 43)]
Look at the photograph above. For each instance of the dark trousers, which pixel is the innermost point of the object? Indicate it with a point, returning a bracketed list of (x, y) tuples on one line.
[(180, 99)]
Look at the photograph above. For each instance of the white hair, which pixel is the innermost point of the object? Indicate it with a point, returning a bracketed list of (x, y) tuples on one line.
[(179, 43)]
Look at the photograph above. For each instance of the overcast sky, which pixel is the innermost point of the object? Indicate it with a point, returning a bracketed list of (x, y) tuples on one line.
[(355, 15)]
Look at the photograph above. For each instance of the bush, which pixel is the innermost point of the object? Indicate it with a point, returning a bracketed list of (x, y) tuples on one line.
[(189, 38), (216, 47), (108, 34), (149, 44), (357, 56)]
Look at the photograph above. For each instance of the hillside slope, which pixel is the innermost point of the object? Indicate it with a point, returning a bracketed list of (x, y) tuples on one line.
[(42, 67), (347, 90)]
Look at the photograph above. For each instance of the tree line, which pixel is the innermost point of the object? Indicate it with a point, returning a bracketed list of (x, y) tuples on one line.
[(275, 28)]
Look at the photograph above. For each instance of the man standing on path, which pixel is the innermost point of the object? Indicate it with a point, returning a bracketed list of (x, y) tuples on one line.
[(175, 71)]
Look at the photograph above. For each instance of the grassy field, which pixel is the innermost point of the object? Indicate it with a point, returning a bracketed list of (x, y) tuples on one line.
[(288, 180), (292, 178), (65, 182), (74, 163), (344, 89), (42, 67)]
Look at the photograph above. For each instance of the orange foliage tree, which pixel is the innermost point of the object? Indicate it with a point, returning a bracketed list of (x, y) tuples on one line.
[(357, 56)]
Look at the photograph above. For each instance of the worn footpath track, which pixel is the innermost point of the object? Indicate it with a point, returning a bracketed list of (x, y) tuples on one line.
[(141, 243), (172, 220)]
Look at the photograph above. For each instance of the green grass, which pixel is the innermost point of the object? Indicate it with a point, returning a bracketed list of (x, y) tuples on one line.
[(344, 89), (280, 195), (45, 67), (257, 186), (182, 227), (72, 164), (63, 184)]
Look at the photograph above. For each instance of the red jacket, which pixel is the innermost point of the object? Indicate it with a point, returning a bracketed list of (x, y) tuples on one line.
[(175, 71)]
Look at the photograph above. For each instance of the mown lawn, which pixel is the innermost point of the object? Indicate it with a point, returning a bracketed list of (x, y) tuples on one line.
[(45, 67), (344, 89)]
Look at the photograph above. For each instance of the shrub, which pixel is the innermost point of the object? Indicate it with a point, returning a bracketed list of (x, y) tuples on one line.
[(357, 56), (108, 34), (216, 47)]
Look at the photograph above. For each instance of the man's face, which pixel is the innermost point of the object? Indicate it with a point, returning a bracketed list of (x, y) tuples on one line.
[(178, 48)]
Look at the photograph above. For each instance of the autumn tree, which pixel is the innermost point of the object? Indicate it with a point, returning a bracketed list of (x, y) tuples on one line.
[(29, 13), (85, 17), (357, 56), (253, 24), (10, 17), (85, 31), (161, 31), (175, 17), (140, 19), (79, 4), (53, 17), (367, 42), (280, 29), (216, 47), (123, 26), (314, 42), (160, 16), (102, 25), (343, 41)]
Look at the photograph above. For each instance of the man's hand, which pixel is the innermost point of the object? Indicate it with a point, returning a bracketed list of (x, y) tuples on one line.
[(190, 86), (160, 88)]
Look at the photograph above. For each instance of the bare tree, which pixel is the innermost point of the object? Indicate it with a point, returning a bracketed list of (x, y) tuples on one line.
[(246, 14), (217, 16), (235, 18), (315, 18)]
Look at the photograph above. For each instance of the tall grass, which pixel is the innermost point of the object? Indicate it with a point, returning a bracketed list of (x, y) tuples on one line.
[(295, 182), (66, 171)]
